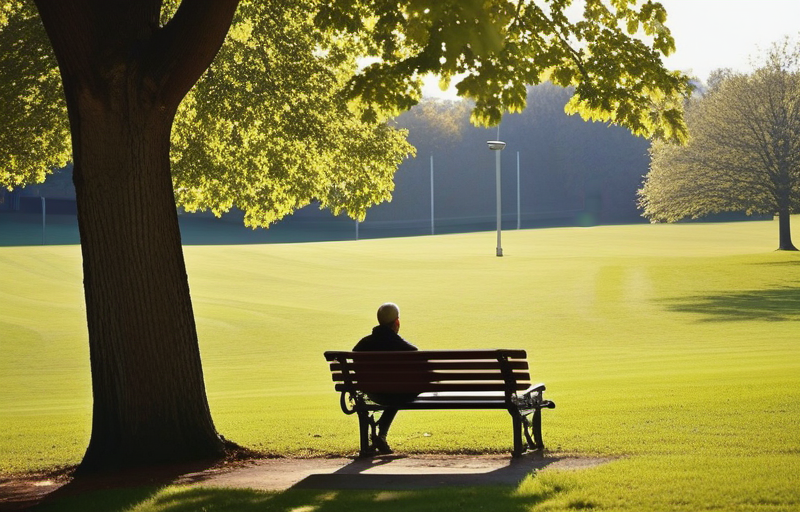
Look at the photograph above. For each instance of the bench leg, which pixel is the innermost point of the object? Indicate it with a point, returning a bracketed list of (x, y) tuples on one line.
[(517, 425), (526, 429), (364, 422), (528, 424), (536, 425)]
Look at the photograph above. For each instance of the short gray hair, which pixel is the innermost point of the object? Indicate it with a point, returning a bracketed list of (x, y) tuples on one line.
[(388, 313)]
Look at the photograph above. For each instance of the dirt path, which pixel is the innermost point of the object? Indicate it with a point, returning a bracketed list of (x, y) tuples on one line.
[(385, 472)]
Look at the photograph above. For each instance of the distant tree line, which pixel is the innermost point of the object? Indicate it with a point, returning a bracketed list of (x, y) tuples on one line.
[(571, 170)]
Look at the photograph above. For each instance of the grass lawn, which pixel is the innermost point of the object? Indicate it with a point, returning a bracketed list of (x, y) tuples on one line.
[(673, 347)]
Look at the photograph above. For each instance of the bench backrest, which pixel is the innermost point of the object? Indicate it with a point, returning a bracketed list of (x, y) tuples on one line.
[(430, 370)]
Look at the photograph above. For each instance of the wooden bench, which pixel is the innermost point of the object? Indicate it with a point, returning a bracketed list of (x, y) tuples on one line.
[(445, 379)]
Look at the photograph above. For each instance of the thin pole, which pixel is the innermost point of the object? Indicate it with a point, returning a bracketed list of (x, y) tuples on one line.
[(432, 194), (497, 173), (43, 222), (356, 229), (519, 214)]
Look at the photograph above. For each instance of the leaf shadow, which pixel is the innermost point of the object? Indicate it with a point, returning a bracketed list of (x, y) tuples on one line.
[(774, 305)]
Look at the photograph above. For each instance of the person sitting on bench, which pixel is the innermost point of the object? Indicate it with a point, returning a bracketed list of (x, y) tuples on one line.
[(385, 337)]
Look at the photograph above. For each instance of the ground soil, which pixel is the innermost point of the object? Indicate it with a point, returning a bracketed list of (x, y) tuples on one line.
[(383, 472)]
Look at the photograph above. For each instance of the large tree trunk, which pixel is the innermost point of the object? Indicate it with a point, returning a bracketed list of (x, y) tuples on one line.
[(149, 395), (124, 77), (784, 231)]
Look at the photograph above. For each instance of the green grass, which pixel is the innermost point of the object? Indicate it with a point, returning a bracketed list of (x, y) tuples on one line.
[(674, 347)]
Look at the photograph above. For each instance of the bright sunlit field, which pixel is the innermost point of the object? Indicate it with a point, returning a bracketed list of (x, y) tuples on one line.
[(675, 348)]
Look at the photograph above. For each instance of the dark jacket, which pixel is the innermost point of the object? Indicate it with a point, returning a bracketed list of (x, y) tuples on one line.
[(383, 338)]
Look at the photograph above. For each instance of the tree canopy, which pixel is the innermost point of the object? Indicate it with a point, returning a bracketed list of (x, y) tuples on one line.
[(743, 152), (494, 49), (266, 129), (34, 129)]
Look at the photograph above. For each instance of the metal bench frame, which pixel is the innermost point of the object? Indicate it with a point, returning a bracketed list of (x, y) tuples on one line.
[(445, 379)]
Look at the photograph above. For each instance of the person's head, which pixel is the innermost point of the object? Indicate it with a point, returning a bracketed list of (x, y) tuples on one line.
[(389, 315)]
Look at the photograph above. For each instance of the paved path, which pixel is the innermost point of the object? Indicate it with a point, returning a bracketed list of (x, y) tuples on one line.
[(384, 472)]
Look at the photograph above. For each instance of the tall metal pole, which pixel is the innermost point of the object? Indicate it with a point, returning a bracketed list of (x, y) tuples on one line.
[(431, 194), (43, 223), (356, 229), (499, 209), (519, 212), (497, 146)]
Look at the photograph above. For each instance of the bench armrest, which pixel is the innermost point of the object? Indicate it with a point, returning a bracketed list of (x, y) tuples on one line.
[(533, 398), (536, 387)]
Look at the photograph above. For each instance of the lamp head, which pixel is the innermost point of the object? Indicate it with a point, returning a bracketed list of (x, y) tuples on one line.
[(496, 145)]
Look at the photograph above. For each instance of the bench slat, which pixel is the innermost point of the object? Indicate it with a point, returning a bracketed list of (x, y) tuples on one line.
[(480, 404), (373, 376), (475, 396), (428, 355), (432, 365), (420, 387)]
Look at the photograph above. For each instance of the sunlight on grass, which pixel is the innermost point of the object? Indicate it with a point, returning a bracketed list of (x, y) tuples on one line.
[(673, 347)]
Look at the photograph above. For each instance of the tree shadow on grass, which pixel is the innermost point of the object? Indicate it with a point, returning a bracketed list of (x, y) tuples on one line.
[(209, 499), (793, 263), (110, 491), (775, 305), (110, 500), (346, 489)]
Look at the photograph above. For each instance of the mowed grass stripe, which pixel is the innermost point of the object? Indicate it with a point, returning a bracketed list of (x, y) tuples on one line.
[(674, 347)]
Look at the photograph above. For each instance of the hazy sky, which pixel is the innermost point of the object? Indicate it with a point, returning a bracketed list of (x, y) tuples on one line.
[(711, 34)]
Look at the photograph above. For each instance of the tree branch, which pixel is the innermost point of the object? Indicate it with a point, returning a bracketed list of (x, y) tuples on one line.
[(85, 33), (557, 30), (186, 46)]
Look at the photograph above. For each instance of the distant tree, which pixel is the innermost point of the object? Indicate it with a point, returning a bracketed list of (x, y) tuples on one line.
[(128, 68), (743, 152), (434, 123)]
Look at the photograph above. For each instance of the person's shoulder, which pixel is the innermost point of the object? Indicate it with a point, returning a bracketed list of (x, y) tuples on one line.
[(403, 344), (363, 344)]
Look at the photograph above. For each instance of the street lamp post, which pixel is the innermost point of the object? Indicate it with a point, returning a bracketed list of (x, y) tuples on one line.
[(519, 210), (497, 146), (431, 194), (43, 221)]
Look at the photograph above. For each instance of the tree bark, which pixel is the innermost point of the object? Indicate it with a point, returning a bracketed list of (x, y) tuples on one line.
[(124, 77), (149, 396), (784, 231)]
